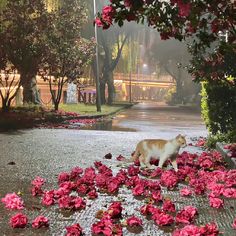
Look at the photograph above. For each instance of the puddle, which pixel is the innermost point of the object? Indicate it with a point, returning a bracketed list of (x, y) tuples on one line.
[(107, 125)]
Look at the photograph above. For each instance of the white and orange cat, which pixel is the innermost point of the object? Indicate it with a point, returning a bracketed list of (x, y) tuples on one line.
[(159, 149)]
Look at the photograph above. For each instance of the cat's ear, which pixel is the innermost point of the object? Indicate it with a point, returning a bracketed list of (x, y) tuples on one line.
[(178, 136)]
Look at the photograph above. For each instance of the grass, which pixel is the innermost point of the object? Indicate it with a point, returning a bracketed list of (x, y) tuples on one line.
[(90, 109)]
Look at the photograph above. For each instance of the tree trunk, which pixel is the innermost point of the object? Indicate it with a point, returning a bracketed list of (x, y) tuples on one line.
[(29, 89), (111, 90), (27, 93), (5, 107), (102, 91), (56, 106)]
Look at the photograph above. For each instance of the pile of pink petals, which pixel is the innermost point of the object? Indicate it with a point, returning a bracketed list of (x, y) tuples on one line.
[(205, 174)]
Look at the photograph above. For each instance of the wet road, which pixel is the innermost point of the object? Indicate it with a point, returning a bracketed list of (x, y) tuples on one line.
[(157, 118), (48, 152)]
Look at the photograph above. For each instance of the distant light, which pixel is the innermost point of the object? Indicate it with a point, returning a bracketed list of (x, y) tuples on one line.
[(145, 65)]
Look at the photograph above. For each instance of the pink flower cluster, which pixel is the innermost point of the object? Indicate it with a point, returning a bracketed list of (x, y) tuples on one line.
[(74, 230), (134, 221), (13, 201), (189, 230), (37, 184), (107, 227), (20, 220)]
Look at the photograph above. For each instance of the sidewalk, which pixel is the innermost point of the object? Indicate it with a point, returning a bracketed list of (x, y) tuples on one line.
[(47, 153)]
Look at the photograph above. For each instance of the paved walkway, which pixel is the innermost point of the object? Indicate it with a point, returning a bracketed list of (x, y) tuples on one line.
[(47, 152)]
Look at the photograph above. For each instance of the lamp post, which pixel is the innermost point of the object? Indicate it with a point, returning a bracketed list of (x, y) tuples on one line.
[(98, 95), (130, 72)]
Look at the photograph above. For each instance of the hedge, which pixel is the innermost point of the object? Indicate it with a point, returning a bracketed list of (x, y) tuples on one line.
[(219, 107)]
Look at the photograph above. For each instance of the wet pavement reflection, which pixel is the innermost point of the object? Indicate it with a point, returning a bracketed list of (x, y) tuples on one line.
[(155, 117)]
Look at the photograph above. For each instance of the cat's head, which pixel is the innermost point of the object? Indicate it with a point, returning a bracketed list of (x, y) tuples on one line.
[(181, 140)]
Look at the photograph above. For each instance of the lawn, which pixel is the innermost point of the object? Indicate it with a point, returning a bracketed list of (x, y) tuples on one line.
[(90, 109)]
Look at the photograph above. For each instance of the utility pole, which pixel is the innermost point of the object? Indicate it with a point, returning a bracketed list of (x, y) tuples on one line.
[(130, 71), (98, 95)]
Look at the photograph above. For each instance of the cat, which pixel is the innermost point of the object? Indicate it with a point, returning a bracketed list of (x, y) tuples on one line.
[(159, 149)]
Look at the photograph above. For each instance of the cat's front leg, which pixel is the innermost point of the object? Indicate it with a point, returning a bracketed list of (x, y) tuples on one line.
[(142, 162), (147, 163), (174, 164), (162, 160)]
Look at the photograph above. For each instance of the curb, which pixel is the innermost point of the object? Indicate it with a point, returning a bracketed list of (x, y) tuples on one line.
[(105, 115), (231, 161)]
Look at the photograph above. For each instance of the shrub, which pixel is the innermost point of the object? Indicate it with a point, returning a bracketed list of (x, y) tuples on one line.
[(229, 137), (219, 107)]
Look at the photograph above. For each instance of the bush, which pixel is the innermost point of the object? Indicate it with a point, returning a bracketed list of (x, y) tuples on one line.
[(229, 137), (219, 107)]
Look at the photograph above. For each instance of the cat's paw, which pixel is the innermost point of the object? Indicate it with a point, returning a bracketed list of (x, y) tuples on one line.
[(152, 167)]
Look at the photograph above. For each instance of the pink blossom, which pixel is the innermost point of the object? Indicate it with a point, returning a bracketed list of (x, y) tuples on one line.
[(216, 202), (61, 192), (101, 181), (13, 201), (38, 182), (229, 192), (78, 203), (188, 230), (121, 176), (67, 186), (48, 198), (62, 177), (36, 191), (105, 226), (115, 210), (76, 172), (163, 219), (134, 221), (129, 3), (138, 190), (97, 164), (39, 222), (74, 230), (92, 194), (100, 23), (103, 169), (133, 171), (157, 196), (82, 189), (206, 163), (201, 142), (169, 179), (217, 189), (18, 221), (186, 215), (185, 192), (113, 185), (65, 202), (154, 186), (157, 172), (120, 158), (147, 209), (210, 229), (168, 206), (234, 224)]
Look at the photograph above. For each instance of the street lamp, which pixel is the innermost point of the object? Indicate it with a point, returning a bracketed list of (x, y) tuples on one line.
[(98, 95), (130, 72)]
